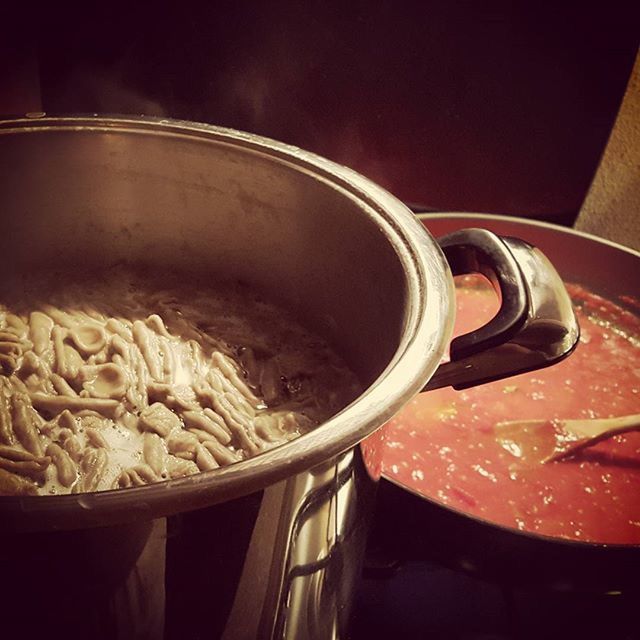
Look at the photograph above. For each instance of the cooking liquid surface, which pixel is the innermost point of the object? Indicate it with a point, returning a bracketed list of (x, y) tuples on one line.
[(121, 379), (443, 444)]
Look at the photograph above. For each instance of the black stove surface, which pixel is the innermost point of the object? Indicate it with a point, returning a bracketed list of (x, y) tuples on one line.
[(427, 601)]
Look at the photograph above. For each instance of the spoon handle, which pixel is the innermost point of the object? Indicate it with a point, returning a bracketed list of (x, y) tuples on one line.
[(605, 427)]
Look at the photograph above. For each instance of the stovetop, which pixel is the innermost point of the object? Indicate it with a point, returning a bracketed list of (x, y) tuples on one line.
[(427, 601)]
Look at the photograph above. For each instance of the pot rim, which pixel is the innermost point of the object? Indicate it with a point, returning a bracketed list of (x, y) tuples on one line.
[(499, 217), (427, 327), (505, 529)]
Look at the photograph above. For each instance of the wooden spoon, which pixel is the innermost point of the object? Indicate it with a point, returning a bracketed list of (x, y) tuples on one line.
[(541, 441)]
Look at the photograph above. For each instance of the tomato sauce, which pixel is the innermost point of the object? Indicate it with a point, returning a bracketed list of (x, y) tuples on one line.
[(444, 446)]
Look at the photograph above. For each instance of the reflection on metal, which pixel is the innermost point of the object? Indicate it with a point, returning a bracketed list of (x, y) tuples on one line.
[(315, 563), (303, 561), (321, 559)]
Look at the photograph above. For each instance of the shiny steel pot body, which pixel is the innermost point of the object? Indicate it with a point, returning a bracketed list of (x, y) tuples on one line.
[(264, 548), (282, 562)]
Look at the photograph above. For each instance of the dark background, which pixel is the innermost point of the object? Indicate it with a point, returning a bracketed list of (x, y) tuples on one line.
[(480, 106)]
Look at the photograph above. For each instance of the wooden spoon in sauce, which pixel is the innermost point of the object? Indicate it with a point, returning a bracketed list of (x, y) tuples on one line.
[(541, 441)]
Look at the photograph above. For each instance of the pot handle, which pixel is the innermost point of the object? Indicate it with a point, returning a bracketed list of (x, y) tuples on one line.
[(535, 326)]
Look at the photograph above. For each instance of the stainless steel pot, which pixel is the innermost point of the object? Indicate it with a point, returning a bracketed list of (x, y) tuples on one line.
[(269, 547)]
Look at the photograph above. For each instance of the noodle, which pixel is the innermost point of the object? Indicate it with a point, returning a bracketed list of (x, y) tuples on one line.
[(120, 384)]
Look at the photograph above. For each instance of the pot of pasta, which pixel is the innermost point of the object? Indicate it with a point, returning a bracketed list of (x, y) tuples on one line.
[(197, 326)]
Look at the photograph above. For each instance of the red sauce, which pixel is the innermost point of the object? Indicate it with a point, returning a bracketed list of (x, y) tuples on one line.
[(443, 443)]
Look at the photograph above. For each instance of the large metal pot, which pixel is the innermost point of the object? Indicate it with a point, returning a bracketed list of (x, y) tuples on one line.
[(269, 547)]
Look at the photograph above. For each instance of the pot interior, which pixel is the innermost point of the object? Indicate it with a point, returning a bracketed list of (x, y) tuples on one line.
[(214, 207), (347, 258)]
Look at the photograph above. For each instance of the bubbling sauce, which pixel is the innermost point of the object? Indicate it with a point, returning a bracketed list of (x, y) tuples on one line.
[(444, 446), (122, 380)]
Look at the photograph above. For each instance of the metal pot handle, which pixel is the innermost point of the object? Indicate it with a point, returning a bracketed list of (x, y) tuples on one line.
[(535, 326)]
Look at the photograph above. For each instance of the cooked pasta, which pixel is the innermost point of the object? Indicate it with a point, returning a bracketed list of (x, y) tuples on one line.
[(122, 384)]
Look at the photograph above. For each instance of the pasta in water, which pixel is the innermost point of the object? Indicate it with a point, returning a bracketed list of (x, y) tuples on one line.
[(121, 384)]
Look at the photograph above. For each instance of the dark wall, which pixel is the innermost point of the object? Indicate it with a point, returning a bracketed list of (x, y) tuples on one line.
[(497, 106)]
